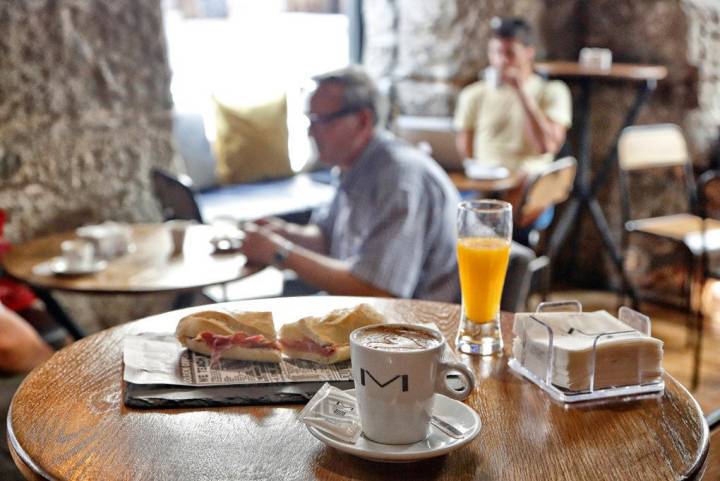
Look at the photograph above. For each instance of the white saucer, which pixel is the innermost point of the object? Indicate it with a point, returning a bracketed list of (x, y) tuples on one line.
[(60, 267), (436, 444)]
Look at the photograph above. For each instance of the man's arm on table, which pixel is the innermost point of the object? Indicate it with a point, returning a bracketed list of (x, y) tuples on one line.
[(546, 135), (308, 236), (331, 275)]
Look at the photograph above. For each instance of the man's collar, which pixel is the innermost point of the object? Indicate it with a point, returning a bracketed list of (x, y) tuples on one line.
[(349, 177)]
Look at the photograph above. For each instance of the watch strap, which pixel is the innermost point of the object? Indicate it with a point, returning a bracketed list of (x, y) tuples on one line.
[(281, 254)]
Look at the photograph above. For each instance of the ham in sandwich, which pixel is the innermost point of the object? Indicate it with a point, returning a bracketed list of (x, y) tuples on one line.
[(248, 336), (326, 340)]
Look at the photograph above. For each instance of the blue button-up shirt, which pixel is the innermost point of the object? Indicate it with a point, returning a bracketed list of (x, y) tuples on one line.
[(393, 218)]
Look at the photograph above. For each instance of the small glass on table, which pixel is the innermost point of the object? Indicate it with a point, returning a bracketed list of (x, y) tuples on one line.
[(483, 250)]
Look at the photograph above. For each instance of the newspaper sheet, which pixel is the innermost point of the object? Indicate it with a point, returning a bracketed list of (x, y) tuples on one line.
[(161, 359)]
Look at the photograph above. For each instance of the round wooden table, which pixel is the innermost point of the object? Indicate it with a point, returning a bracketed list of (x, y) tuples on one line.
[(68, 421), (149, 268)]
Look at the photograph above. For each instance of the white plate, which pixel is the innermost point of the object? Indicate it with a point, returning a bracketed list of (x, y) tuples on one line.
[(478, 171), (60, 267), (436, 444)]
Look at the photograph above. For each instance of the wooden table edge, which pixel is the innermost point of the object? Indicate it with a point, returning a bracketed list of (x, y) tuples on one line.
[(22, 460), (698, 468), (32, 472), (569, 69), (247, 270)]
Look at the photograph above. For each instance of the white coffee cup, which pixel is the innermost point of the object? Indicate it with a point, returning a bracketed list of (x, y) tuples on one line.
[(491, 77), (78, 254), (395, 387), (110, 239)]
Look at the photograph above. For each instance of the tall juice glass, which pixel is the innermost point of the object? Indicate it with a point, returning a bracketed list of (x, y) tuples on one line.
[(483, 251)]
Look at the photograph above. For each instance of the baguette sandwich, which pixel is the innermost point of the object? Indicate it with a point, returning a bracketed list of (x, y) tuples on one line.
[(248, 336), (326, 340)]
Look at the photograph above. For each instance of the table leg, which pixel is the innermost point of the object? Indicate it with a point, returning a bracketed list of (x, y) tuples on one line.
[(644, 91), (565, 223), (585, 190), (184, 299), (59, 314), (568, 219)]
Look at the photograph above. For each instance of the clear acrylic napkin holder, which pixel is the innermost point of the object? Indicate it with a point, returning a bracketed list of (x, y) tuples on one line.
[(636, 322)]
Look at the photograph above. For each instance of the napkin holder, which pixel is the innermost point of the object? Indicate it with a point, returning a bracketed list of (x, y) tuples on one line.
[(636, 322)]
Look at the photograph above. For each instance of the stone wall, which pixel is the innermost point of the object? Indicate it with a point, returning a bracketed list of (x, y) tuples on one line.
[(427, 51), (84, 114)]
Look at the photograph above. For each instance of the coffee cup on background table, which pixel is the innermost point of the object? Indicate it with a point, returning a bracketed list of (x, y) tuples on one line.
[(397, 369), (78, 254), (178, 230), (109, 239)]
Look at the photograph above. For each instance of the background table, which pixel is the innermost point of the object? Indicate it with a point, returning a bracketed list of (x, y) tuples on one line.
[(586, 188), (148, 269), (464, 183), (67, 421)]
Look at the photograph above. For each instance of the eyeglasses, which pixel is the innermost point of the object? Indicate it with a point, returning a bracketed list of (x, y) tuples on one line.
[(323, 119)]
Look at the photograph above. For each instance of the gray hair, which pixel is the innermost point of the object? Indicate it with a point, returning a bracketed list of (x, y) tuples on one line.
[(360, 91)]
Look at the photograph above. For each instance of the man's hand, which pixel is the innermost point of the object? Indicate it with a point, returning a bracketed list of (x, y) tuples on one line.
[(516, 73), (273, 224), (512, 76), (260, 243)]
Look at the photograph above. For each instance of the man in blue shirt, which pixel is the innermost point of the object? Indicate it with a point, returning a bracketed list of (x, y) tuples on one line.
[(391, 227), (390, 230)]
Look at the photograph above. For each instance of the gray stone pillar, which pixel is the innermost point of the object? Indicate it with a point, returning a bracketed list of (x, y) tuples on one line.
[(85, 108)]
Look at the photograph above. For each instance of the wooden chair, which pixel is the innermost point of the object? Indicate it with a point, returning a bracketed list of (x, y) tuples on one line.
[(546, 189), (663, 146), (175, 194), (709, 194), (709, 200)]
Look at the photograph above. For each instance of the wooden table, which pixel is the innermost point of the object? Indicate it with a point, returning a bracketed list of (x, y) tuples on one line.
[(586, 189), (148, 269), (67, 421)]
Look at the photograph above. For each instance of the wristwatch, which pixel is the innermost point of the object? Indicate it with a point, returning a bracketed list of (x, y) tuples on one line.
[(281, 254)]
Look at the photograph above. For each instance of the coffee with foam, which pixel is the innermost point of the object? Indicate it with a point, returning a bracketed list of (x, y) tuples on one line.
[(398, 338)]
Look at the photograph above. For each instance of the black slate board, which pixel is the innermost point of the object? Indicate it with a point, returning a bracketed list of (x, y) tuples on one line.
[(153, 396)]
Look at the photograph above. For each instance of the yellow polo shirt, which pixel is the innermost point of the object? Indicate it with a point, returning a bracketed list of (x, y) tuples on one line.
[(496, 115)]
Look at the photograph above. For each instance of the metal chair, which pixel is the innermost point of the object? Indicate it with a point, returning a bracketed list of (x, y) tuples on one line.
[(709, 201), (175, 194), (663, 146), (546, 189)]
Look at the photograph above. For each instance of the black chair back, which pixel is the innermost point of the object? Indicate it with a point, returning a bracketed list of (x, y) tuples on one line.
[(176, 197)]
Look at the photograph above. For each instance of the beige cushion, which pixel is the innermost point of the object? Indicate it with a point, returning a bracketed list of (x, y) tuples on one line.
[(251, 141)]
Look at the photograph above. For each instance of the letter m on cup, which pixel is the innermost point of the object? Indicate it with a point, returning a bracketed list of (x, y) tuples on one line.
[(403, 379)]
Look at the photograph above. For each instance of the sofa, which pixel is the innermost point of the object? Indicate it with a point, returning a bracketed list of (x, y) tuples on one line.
[(293, 198)]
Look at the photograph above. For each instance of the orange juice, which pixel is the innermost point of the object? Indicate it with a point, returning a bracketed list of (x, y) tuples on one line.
[(482, 262)]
